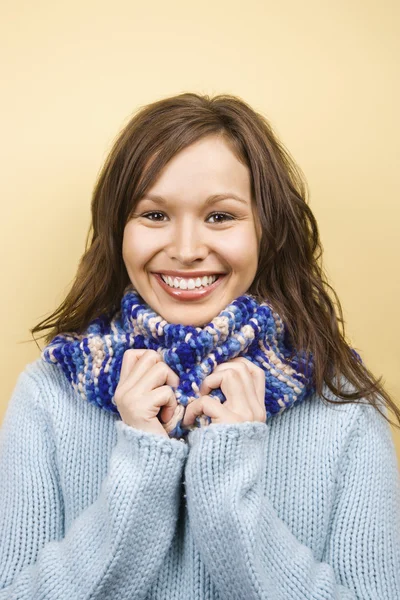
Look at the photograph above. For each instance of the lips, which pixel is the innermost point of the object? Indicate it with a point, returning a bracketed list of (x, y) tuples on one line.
[(179, 294)]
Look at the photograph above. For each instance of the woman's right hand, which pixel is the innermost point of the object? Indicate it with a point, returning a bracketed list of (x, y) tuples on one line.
[(141, 393)]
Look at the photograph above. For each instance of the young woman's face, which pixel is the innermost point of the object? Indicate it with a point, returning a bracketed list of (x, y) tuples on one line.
[(186, 235)]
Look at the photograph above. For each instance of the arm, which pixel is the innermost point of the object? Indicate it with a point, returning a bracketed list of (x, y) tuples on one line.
[(116, 546), (251, 553)]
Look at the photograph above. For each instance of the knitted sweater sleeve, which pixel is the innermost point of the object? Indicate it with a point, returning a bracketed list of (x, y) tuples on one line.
[(115, 547), (251, 553)]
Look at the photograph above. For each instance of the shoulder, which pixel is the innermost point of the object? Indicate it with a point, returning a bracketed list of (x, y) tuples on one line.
[(42, 375), (333, 431), (44, 399), (41, 386)]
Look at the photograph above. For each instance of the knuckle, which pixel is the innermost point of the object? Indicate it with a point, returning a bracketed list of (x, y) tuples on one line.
[(129, 357), (235, 374), (161, 366), (118, 397), (243, 361), (221, 367)]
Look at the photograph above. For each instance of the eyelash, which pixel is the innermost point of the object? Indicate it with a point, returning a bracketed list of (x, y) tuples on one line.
[(157, 212)]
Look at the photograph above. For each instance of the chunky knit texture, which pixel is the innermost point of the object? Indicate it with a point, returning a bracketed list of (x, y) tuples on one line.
[(302, 507), (92, 360)]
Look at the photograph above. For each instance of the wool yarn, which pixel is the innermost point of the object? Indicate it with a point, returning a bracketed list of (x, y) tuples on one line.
[(92, 360)]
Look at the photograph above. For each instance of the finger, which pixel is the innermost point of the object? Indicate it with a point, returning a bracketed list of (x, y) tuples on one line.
[(158, 374), (148, 372), (193, 410), (145, 362), (129, 360), (258, 376), (134, 364), (207, 405), (219, 413), (237, 385), (211, 381), (166, 403)]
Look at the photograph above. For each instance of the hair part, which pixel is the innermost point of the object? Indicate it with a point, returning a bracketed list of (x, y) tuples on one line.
[(290, 273)]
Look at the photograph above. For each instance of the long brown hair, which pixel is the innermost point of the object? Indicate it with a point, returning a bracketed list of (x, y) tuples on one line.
[(290, 272)]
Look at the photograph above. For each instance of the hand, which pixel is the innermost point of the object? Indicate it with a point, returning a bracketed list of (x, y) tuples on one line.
[(141, 395), (243, 384)]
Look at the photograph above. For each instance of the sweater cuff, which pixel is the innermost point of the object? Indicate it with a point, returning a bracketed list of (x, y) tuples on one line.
[(228, 433), (144, 439)]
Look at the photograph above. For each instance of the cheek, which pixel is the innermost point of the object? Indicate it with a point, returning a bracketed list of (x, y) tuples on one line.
[(127, 248), (130, 250), (139, 246), (242, 250)]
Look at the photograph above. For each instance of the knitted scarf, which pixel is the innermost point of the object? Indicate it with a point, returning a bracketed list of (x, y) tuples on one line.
[(91, 361)]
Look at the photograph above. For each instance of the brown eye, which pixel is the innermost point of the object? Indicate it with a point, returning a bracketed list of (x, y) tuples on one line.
[(225, 215), (153, 213)]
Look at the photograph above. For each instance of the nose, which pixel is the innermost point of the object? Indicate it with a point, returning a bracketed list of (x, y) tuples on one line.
[(187, 244)]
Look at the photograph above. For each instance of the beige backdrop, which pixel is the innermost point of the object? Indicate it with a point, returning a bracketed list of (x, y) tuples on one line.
[(324, 73)]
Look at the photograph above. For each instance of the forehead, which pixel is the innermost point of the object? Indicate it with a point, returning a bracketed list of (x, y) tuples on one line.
[(204, 169)]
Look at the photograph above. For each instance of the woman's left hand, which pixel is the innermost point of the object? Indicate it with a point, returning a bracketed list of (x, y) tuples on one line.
[(243, 384)]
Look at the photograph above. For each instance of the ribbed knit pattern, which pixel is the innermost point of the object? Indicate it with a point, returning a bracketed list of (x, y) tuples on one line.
[(91, 360), (304, 506)]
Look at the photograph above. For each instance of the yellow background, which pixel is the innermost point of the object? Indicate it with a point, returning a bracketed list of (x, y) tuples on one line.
[(324, 73)]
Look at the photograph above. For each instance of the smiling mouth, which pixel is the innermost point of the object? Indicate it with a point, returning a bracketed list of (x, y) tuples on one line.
[(187, 294)]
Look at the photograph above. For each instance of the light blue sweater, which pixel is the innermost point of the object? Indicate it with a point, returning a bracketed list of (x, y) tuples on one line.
[(305, 506)]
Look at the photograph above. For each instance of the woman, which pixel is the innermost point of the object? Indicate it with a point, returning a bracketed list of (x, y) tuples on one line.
[(222, 443)]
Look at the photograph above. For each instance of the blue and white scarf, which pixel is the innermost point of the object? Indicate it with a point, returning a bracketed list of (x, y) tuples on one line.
[(91, 361)]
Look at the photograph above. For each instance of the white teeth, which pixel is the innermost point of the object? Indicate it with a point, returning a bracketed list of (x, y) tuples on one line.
[(189, 284)]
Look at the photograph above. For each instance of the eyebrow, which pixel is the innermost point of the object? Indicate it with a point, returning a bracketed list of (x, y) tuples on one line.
[(210, 200)]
